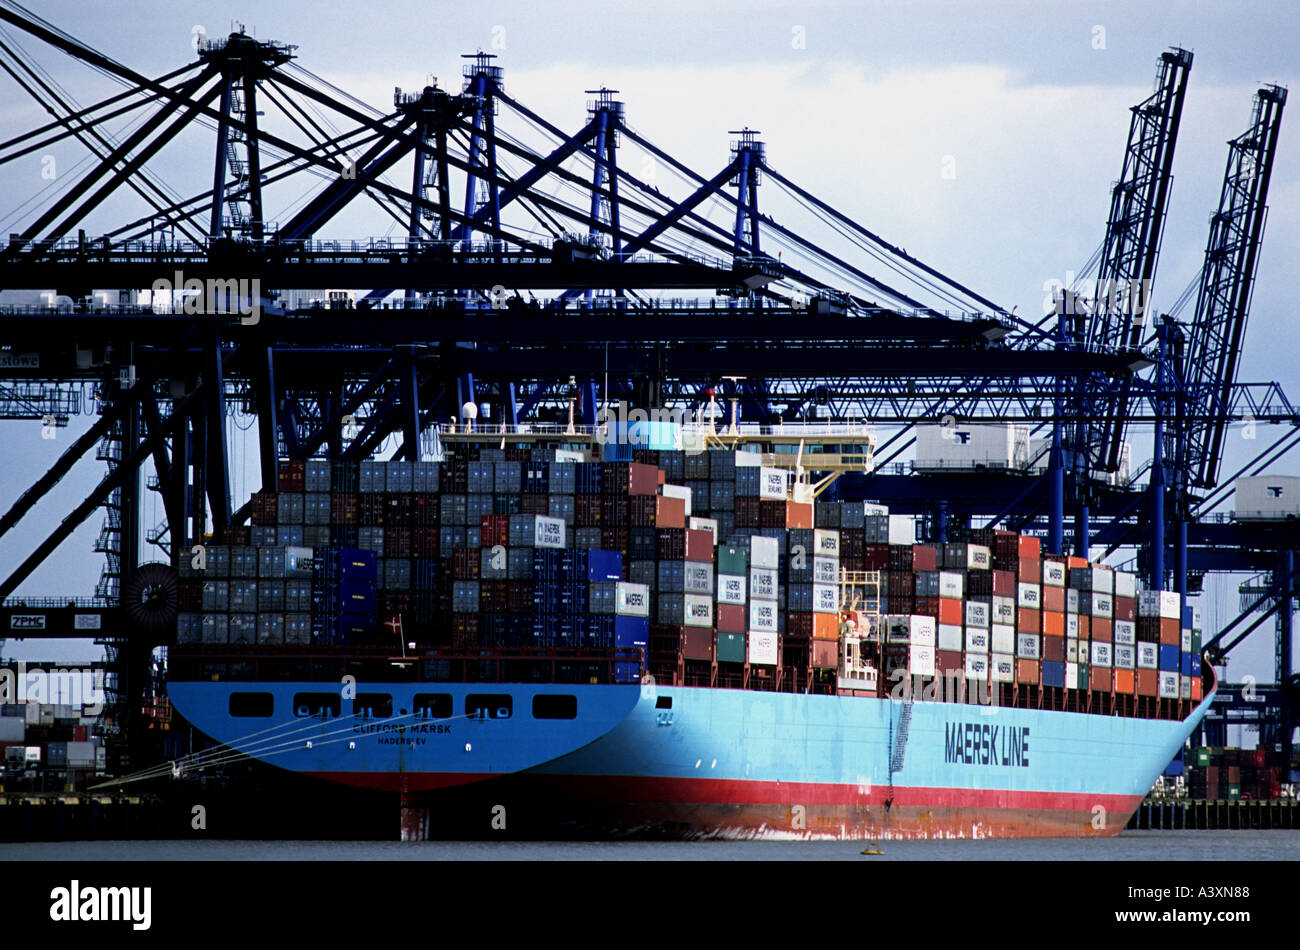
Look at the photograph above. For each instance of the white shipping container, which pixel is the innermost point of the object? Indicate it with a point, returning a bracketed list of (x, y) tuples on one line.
[(1054, 573), (699, 611), (1185, 641), (1028, 595), (923, 630), (762, 616), (548, 532), (1072, 651), (977, 640), (772, 483), (762, 583), (826, 543), (977, 666), (1072, 625), (826, 570), (1148, 656), (697, 578), (1002, 668), (81, 754), (1003, 639), (1101, 655), (902, 529), (978, 557), (764, 552), (678, 491), (632, 600), (1267, 498), (1004, 609), (731, 589), (1071, 674), (1160, 603), (1072, 600), (1125, 584), (950, 636), (1103, 605), (826, 599), (1170, 687), (951, 584), (1185, 687), (1124, 656), (763, 650), (1125, 632), (989, 445), (977, 614), (1028, 646), (920, 660)]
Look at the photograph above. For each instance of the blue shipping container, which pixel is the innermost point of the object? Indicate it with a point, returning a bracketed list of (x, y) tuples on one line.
[(603, 566), (1169, 658), (1053, 673)]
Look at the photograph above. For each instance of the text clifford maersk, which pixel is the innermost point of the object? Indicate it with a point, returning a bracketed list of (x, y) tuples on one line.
[(980, 743)]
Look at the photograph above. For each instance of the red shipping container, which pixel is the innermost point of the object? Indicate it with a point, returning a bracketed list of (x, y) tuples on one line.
[(1028, 547), (1170, 633), (1085, 627), (798, 514), (697, 643), (1054, 649), (538, 504), (292, 475), (925, 557), (1197, 694), (643, 479), (613, 538), (731, 618), (1125, 608), (265, 506), (1053, 624), (1053, 598), (343, 508), (1101, 628), (951, 611), (699, 546), (643, 510), (671, 512), (425, 510), (1027, 671), (826, 627), (495, 530), (1004, 583), (1099, 679), (926, 607), (1031, 570), (1028, 620), (825, 654), (1124, 682), (1072, 562), (370, 510), (949, 661), (1148, 682)]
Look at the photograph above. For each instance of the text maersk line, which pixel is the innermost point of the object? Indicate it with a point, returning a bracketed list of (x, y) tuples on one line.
[(980, 743)]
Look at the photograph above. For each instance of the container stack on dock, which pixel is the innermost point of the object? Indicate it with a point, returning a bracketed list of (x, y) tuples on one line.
[(1216, 773), (706, 561)]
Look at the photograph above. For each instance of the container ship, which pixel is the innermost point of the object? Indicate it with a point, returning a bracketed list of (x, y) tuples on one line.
[(680, 643)]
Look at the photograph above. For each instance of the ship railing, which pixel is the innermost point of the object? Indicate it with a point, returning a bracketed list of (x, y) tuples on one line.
[(447, 664)]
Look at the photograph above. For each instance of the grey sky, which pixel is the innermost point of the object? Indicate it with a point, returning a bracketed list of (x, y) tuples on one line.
[(861, 103)]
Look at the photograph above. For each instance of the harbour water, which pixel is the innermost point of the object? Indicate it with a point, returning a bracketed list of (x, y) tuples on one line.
[(1128, 846)]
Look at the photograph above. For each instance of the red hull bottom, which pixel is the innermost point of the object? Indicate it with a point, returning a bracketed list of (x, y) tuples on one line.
[(533, 806)]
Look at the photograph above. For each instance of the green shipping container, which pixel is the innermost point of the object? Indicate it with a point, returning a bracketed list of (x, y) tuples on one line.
[(1082, 682), (731, 648), (733, 560), (1202, 755), (1196, 641), (1234, 792)]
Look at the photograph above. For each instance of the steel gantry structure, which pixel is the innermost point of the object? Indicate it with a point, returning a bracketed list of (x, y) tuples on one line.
[(535, 273)]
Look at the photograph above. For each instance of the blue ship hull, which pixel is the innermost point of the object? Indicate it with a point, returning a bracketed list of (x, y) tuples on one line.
[(719, 762)]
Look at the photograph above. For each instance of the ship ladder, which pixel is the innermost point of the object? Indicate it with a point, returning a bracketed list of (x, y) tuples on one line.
[(898, 744)]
